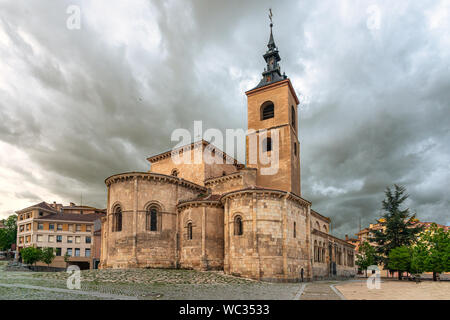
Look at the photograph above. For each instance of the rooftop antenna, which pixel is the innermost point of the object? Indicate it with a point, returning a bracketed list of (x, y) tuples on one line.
[(81, 204), (270, 17)]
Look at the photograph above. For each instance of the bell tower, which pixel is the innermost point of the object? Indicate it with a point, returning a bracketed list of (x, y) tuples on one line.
[(272, 106)]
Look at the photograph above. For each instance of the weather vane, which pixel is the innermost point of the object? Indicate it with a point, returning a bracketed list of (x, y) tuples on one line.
[(270, 16)]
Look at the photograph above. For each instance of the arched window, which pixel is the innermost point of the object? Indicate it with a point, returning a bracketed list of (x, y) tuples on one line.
[(151, 222), (317, 225), (293, 116), (189, 231), (238, 228), (174, 172), (267, 144), (224, 173), (325, 228), (267, 110), (117, 219)]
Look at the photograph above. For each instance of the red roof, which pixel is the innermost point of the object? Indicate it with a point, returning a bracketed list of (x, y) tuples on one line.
[(72, 217), (42, 205)]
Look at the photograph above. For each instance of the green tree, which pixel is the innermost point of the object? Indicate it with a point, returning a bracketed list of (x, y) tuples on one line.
[(398, 223), (366, 256), (437, 241), (47, 255), (8, 235), (400, 259), (31, 255), (66, 258), (419, 257)]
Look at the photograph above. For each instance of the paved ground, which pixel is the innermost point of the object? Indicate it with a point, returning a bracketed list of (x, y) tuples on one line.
[(152, 284), (321, 290), (396, 290)]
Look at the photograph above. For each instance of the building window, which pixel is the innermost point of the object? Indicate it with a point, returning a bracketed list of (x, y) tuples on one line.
[(40, 226), (87, 252), (51, 226), (58, 252), (69, 239), (267, 110), (78, 228), (88, 239), (88, 228), (71, 227), (174, 172), (152, 219), (189, 231), (117, 223), (77, 239), (238, 227), (21, 228), (29, 227), (69, 252), (58, 238), (39, 238), (295, 230), (77, 252), (295, 148), (51, 238), (293, 116), (59, 227), (267, 144)]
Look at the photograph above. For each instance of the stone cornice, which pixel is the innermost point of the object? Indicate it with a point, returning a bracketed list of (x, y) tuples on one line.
[(155, 177), (274, 85), (277, 193), (193, 146), (234, 175), (199, 203), (318, 215), (333, 238)]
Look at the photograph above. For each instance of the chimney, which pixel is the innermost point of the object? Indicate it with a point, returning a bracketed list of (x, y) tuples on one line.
[(72, 204), (54, 204), (346, 237)]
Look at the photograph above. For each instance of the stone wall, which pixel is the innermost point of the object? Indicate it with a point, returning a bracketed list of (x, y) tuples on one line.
[(135, 245), (235, 181), (205, 250), (267, 249)]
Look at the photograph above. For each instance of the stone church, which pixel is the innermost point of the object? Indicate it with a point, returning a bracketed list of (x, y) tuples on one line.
[(228, 216)]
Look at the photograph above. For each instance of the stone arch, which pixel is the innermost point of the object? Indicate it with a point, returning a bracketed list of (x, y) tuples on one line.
[(238, 224), (325, 229), (317, 225), (189, 233), (153, 216), (267, 110), (117, 217)]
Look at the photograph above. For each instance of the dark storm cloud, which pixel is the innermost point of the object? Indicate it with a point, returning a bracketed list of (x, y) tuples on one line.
[(86, 104)]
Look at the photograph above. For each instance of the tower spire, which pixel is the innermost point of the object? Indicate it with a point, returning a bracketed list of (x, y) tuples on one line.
[(272, 72)]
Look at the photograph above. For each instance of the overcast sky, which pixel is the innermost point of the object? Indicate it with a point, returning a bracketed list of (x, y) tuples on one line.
[(78, 105)]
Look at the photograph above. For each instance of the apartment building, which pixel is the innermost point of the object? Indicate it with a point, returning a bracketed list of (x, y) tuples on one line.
[(67, 229)]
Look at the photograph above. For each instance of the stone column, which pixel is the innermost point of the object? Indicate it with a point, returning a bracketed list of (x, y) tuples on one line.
[(204, 262), (309, 269), (133, 260), (226, 260), (256, 257), (284, 230)]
